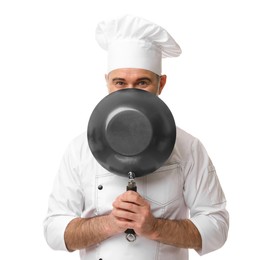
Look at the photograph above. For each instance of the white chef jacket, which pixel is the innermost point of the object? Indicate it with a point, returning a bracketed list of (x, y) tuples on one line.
[(186, 186)]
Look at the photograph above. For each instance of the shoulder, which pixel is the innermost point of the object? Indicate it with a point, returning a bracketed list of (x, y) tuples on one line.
[(185, 141), (183, 136), (78, 149), (186, 146), (79, 142)]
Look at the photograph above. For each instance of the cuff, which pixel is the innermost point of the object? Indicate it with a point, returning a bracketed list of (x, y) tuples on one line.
[(54, 231)]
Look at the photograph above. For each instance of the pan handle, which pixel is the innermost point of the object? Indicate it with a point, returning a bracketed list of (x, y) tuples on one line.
[(130, 233)]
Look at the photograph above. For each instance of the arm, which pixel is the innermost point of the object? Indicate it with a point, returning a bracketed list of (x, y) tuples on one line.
[(66, 204), (64, 229), (205, 198), (84, 232), (178, 233)]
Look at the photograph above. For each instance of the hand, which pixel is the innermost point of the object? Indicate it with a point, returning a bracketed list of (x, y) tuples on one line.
[(132, 211)]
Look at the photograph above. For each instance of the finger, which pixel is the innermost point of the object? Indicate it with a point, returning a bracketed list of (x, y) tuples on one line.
[(126, 207), (123, 215), (127, 198), (133, 197)]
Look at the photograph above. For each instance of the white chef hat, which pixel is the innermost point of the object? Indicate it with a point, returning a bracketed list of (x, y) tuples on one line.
[(133, 42)]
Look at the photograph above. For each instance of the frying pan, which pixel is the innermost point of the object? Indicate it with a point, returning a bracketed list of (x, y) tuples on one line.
[(131, 130)]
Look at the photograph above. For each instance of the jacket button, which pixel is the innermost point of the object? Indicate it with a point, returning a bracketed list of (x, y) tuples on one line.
[(100, 187)]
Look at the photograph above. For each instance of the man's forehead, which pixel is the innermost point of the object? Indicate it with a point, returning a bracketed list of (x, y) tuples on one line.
[(130, 73)]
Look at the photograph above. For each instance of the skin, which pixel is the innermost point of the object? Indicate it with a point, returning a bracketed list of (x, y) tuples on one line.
[(135, 78), (130, 209)]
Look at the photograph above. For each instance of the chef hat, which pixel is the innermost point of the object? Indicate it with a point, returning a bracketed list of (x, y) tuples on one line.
[(133, 42)]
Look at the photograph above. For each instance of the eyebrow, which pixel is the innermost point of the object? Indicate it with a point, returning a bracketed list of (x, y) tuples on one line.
[(139, 79), (115, 79), (144, 78)]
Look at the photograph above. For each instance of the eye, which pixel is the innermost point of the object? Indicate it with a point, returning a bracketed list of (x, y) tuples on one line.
[(143, 83), (119, 83)]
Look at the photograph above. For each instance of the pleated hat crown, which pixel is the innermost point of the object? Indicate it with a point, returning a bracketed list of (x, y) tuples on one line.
[(133, 42)]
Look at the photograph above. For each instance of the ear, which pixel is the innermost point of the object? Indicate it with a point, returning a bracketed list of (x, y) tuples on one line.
[(162, 83), (107, 81)]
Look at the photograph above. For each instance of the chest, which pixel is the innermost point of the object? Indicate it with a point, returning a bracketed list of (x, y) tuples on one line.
[(163, 189)]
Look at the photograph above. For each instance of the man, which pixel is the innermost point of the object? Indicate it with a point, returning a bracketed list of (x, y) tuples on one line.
[(181, 206)]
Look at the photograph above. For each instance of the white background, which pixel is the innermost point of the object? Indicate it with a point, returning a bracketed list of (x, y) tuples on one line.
[(221, 90)]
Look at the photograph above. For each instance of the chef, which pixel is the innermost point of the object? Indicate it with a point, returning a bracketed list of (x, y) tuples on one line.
[(178, 207)]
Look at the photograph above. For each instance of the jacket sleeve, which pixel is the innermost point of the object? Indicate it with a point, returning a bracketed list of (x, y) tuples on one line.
[(65, 202), (206, 200)]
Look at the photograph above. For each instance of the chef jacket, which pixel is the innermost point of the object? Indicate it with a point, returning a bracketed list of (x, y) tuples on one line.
[(186, 186)]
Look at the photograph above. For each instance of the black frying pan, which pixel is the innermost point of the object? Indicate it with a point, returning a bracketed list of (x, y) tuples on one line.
[(131, 130), (131, 133)]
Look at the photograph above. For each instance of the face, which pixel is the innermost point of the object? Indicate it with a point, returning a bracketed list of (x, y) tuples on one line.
[(135, 78)]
